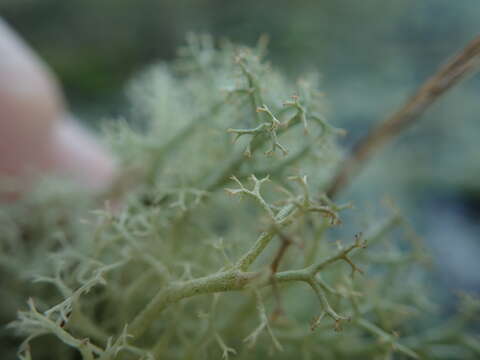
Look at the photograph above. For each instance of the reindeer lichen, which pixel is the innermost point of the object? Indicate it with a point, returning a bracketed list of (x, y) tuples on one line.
[(184, 270)]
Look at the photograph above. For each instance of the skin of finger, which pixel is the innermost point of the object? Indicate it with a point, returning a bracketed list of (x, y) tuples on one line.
[(75, 153), (37, 135), (30, 106)]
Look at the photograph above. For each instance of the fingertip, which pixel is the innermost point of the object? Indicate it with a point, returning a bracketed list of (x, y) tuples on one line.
[(78, 155)]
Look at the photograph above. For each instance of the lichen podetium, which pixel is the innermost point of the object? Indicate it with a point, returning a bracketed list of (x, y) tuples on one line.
[(226, 245)]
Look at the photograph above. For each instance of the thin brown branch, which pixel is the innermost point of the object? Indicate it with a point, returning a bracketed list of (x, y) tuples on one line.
[(286, 242), (282, 250), (465, 63)]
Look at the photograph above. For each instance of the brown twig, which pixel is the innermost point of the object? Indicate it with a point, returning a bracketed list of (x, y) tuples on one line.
[(286, 242), (465, 63)]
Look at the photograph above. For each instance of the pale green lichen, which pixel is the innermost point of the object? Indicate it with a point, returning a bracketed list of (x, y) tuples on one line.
[(184, 271)]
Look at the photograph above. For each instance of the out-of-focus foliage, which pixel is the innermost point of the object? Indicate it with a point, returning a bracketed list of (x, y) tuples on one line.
[(184, 270), (371, 53), (372, 44)]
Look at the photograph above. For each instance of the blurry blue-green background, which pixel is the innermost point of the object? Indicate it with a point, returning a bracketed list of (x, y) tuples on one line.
[(372, 54)]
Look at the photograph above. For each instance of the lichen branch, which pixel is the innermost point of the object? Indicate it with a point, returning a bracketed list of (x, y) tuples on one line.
[(343, 254), (326, 308), (264, 324)]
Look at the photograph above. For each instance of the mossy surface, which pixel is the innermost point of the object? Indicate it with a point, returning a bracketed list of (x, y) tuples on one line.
[(185, 268)]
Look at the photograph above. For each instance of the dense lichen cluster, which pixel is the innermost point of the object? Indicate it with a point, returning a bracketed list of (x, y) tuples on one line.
[(173, 266)]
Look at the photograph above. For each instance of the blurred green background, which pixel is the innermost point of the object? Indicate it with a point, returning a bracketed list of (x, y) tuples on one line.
[(371, 53)]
